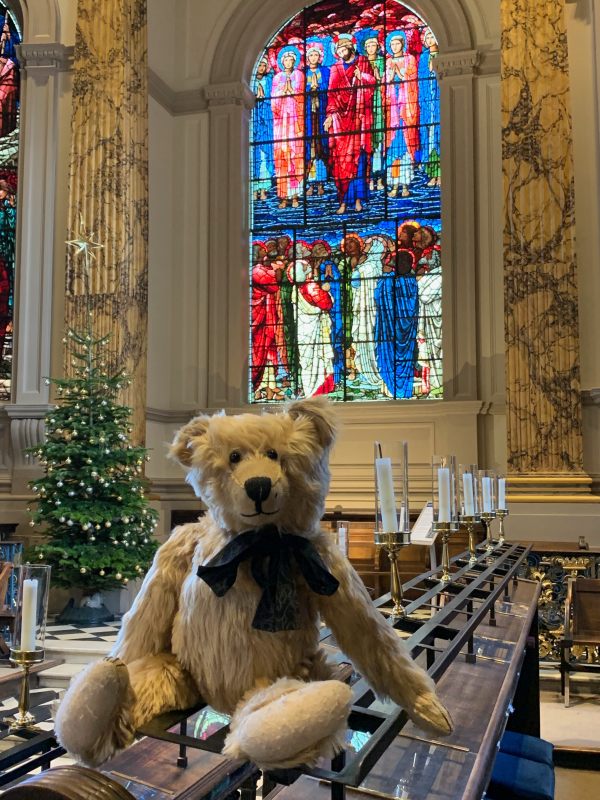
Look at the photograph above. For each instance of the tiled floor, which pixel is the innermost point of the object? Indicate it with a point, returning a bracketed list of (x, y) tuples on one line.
[(104, 633)]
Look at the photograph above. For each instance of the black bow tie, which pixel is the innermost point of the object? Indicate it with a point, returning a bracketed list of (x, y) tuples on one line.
[(271, 553)]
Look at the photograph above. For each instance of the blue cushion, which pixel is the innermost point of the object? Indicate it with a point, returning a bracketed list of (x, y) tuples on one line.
[(520, 744), (516, 778)]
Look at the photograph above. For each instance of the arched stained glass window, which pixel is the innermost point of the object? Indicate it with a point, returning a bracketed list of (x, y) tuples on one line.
[(345, 207), (9, 150)]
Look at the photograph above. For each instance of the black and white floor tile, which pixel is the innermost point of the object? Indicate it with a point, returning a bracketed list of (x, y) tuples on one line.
[(99, 633)]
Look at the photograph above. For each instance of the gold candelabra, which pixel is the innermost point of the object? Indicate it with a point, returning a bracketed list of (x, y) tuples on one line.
[(24, 719), (470, 523), (392, 543), (445, 528), (486, 518), (501, 513)]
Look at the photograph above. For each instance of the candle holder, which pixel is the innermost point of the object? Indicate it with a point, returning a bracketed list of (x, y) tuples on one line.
[(445, 514), (501, 509), (486, 518), (487, 487), (501, 513), (29, 634), (388, 534), (469, 509), (470, 521)]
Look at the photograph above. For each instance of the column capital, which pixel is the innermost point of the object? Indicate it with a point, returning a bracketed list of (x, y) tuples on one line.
[(237, 93), (49, 55), (461, 62), (24, 411)]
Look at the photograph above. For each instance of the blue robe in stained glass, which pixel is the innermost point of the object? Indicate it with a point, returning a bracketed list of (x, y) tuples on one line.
[(396, 319), (263, 167), (317, 141), (429, 99)]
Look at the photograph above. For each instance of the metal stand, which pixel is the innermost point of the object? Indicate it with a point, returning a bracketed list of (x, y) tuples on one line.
[(470, 523), (24, 719), (486, 519), (501, 513), (445, 528), (392, 543)]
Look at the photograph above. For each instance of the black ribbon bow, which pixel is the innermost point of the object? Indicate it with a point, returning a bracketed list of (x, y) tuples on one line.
[(271, 552)]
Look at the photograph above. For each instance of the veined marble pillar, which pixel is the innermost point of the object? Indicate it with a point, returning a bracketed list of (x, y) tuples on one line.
[(108, 188), (541, 306)]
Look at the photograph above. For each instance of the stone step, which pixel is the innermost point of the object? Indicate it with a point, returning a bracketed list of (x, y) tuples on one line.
[(77, 652), (59, 677)]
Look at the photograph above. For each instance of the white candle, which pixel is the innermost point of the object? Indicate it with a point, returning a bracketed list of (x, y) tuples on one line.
[(29, 614), (468, 494), (502, 493), (444, 494), (343, 539), (387, 501), (486, 488)]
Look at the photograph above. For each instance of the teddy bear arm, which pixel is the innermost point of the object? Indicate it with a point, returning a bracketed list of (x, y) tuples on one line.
[(146, 629), (362, 633)]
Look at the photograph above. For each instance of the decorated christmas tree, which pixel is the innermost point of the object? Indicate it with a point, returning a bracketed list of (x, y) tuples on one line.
[(91, 500)]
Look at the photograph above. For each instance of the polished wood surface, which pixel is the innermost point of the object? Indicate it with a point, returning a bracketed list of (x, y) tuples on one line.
[(478, 696), (152, 765)]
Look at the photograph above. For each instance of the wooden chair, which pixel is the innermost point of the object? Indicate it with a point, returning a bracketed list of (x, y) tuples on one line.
[(582, 628), (7, 615)]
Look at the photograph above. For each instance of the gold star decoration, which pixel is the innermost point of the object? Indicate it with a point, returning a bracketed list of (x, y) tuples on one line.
[(85, 243)]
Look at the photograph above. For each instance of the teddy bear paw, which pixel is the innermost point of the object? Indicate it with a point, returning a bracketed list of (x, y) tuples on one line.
[(290, 723), (430, 715), (94, 718)]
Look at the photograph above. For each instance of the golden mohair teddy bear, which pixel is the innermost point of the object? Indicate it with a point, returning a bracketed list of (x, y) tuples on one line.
[(230, 610)]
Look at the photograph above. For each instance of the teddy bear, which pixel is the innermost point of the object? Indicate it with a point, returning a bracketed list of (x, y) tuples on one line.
[(229, 613)]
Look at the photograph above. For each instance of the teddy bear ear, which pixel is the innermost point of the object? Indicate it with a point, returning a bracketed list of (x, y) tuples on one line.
[(320, 412), (183, 445)]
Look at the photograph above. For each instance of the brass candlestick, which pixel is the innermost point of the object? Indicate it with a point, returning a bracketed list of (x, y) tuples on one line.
[(392, 543), (470, 523), (24, 719), (486, 519), (445, 528), (501, 513)]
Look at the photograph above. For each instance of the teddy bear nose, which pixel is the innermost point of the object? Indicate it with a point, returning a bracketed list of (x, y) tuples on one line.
[(258, 489)]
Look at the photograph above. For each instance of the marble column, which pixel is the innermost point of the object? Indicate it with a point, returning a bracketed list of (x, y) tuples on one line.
[(108, 190), (540, 282)]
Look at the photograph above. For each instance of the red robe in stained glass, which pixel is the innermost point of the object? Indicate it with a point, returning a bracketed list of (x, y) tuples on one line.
[(350, 106)]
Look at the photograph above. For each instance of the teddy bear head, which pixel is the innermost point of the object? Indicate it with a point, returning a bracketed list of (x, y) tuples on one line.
[(252, 470)]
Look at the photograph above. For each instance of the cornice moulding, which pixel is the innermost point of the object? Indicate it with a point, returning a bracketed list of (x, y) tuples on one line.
[(188, 101), (464, 62), (51, 55), (237, 93), (27, 412)]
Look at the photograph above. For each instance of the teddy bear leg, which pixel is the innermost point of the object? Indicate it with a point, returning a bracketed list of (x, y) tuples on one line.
[(108, 701), (94, 718), (289, 723), (160, 684)]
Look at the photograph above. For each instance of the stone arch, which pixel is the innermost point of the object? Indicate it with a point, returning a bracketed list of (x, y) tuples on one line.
[(40, 19), (255, 22)]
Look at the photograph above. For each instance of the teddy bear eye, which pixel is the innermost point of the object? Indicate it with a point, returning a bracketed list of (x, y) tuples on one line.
[(272, 454), (235, 456)]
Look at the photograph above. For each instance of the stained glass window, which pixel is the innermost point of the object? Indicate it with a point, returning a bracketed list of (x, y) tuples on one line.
[(345, 274), (9, 149)]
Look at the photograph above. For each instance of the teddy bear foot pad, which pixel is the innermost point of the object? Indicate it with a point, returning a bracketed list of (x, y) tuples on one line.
[(290, 723)]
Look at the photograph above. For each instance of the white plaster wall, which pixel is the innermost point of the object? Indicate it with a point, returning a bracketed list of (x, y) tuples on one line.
[(161, 255)]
